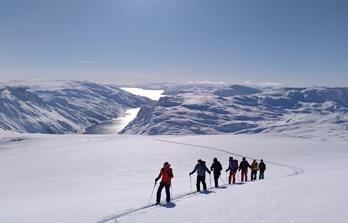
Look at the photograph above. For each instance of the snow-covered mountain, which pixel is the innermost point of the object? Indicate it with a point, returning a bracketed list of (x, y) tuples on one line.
[(61, 107), (73, 106), (239, 109)]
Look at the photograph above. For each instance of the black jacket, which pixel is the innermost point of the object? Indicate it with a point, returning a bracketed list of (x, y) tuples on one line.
[(262, 166), (244, 165), (216, 168)]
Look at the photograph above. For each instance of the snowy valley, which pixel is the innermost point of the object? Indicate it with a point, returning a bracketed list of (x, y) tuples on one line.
[(184, 111), (78, 107), (301, 133)]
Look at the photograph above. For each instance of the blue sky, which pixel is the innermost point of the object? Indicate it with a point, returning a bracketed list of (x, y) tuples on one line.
[(293, 42)]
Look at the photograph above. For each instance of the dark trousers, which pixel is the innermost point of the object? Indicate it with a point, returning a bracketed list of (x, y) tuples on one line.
[(201, 179), (216, 179), (159, 191), (232, 177), (253, 175), (262, 175), (244, 175)]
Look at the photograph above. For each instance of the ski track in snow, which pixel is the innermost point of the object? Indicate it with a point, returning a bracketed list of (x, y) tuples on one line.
[(113, 218), (296, 170)]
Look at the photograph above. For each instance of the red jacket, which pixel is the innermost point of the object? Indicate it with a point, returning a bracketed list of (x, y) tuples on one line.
[(167, 174)]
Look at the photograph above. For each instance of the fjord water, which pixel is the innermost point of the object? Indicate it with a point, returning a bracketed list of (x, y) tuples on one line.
[(152, 94), (116, 125)]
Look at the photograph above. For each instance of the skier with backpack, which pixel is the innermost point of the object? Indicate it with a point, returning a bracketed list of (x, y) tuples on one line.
[(262, 167), (243, 166), (216, 167), (201, 168), (233, 168), (254, 169), (167, 174)]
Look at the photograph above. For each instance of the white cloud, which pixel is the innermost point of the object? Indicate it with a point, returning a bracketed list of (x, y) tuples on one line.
[(173, 68), (263, 84), (86, 61), (207, 82)]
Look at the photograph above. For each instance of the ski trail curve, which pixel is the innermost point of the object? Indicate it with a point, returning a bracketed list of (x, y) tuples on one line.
[(296, 170), (113, 218)]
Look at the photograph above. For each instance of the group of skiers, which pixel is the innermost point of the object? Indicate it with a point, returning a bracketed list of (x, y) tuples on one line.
[(233, 167), (166, 174)]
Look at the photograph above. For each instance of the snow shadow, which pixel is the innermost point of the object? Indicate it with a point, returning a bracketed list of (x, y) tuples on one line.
[(207, 192), (239, 183), (169, 205)]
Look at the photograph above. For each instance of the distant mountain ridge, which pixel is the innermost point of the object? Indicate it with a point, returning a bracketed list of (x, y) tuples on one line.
[(237, 109), (73, 106), (68, 107)]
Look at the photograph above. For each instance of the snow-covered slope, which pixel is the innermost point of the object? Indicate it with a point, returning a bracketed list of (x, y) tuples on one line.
[(304, 112), (88, 178), (61, 107)]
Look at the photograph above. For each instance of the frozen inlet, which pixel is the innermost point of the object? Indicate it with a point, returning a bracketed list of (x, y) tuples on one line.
[(152, 94), (115, 125)]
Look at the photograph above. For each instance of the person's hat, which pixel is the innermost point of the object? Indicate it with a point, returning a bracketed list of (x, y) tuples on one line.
[(166, 164)]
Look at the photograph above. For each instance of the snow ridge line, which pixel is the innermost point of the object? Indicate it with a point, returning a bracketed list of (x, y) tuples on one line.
[(130, 211), (296, 171)]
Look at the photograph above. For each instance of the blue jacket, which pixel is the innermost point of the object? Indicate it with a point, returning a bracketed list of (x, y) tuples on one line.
[(201, 169)]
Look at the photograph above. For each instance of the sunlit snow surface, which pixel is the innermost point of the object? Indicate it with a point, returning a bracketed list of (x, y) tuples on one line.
[(88, 178), (152, 94)]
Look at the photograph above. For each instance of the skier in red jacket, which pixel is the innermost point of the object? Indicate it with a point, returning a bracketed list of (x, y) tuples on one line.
[(167, 174)]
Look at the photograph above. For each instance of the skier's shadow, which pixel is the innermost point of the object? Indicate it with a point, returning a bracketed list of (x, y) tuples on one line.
[(240, 183), (207, 192), (169, 205)]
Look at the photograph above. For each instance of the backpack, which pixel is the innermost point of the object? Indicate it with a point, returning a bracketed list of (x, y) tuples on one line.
[(167, 175), (219, 166), (262, 166), (235, 165)]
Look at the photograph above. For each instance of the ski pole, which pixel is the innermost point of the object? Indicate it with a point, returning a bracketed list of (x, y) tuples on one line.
[(190, 183), (222, 180), (209, 180), (171, 191), (153, 189)]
